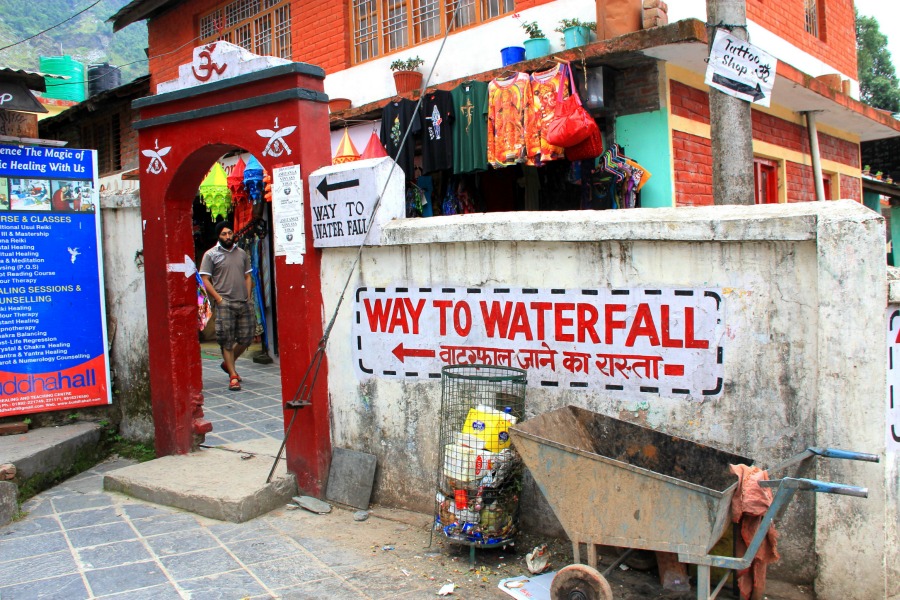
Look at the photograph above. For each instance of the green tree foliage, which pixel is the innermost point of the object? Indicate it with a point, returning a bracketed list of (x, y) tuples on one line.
[(878, 84), (88, 38)]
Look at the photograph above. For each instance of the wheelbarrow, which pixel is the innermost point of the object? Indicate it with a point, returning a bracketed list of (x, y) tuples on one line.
[(615, 483)]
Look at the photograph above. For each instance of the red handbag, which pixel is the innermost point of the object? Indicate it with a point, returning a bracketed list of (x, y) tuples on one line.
[(591, 147), (571, 123)]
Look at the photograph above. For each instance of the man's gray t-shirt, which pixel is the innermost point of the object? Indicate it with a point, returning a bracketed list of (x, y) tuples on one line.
[(226, 270)]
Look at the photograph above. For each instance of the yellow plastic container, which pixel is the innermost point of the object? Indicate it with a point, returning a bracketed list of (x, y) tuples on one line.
[(489, 425)]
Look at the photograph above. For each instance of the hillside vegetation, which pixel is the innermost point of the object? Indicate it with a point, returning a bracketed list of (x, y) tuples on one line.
[(88, 37)]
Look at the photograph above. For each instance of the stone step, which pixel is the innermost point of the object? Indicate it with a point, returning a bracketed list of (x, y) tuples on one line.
[(226, 482)]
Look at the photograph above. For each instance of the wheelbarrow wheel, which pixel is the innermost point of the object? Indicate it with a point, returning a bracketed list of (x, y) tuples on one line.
[(580, 582)]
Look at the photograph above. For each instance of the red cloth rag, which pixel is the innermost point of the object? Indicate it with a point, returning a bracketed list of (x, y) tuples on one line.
[(748, 506)]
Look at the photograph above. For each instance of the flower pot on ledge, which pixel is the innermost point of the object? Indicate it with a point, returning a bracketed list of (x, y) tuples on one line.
[(407, 81), (338, 104), (536, 48)]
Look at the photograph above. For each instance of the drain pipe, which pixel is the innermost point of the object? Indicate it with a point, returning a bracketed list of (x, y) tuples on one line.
[(814, 153)]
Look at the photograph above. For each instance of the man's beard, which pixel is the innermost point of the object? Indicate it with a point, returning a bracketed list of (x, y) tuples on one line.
[(227, 244)]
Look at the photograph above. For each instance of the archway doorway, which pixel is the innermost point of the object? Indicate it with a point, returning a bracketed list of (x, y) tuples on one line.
[(280, 115)]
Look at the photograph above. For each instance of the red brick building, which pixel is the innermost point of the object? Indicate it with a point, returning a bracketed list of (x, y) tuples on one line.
[(655, 101)]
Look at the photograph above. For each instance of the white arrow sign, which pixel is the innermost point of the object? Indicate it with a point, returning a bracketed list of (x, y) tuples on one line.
[(187, 267)]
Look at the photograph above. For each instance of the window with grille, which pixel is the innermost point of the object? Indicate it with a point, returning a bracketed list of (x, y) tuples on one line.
[(261, 26), (814, 14), (105, 137), (385, 26)]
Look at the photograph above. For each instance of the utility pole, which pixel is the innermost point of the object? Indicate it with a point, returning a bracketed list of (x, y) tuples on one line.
[(730, 125)]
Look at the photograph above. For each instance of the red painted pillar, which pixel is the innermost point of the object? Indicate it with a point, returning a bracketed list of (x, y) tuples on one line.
[(188, 132), (300, 321)]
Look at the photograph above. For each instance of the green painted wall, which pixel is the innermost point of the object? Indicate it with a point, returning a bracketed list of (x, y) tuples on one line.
[(645, 138), (872, 201)]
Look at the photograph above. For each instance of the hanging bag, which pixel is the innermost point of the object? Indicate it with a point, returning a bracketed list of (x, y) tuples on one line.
[(571, 123), (592, 145)]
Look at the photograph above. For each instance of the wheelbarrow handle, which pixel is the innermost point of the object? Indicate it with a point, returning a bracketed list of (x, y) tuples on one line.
[(815, 485), (825, 453), (846, 454)]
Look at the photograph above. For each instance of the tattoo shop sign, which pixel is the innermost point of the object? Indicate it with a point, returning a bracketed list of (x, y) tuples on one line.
[(627, 342), (740, 69)]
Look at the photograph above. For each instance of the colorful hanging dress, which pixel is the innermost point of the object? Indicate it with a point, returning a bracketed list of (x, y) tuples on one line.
[(509, 107)]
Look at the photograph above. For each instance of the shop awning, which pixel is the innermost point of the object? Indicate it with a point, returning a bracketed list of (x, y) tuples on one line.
[(684, 44), (138, 10)]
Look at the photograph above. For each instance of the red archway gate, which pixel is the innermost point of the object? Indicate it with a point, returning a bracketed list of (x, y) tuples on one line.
[(280, 115)]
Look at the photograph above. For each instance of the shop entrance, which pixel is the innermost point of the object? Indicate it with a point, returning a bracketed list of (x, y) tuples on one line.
[(278, 114)]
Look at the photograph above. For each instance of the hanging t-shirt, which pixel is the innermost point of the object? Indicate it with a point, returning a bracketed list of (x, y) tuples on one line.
[(509, 107), (437, 116), (394, 120), (545, 86), (470, 127)]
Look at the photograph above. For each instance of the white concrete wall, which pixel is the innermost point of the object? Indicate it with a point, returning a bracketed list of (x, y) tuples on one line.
[(126, 310), (804, 290)]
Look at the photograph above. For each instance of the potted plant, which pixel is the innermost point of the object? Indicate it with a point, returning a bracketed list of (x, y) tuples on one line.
[(537, 44), (406, 77), (575, 31)]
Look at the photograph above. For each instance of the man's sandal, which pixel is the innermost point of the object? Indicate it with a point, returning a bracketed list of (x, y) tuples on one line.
[(235, 384), (224, 368)]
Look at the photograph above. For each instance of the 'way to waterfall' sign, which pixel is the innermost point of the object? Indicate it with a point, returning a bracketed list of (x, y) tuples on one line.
[(626, 342)]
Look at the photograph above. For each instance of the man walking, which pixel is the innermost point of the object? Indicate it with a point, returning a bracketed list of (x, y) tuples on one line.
[(225, 270)]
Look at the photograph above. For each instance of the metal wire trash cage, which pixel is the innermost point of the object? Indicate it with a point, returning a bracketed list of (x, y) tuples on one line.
[(479, 474)]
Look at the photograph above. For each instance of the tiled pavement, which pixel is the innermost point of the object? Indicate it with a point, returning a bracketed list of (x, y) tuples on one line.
[(251, 413), (78, 541)]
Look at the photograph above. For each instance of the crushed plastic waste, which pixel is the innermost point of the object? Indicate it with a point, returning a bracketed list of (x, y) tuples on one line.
[(538, 559)]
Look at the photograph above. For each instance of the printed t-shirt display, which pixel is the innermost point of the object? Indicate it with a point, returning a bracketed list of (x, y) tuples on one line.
[(509, 116), (544, 87), (470, 100), (437, 116), (394, 120)]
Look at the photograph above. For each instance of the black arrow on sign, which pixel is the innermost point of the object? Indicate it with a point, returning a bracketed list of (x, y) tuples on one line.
[(324, 187), (741, 88)]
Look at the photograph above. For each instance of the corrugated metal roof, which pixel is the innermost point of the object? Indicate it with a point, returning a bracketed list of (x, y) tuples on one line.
[(33, 80), (138, 10)]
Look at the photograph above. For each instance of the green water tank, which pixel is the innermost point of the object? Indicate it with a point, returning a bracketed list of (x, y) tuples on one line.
[(64, 89)]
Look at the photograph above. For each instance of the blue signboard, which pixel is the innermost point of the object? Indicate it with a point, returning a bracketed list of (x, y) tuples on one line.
[(53, 351)]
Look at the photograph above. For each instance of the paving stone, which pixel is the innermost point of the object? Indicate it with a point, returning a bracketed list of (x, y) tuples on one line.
[(142, 511), (28, 569), (31, 545), (82, 501), (90, 517), (157, 592), (329, 588), (289, 572), (101, 534), (166, 523), (228, 533), (179, 542), (124, 578), (67, 587), (262, 550), (240, 435), (34, 526), (223, 586), (199, 563), (113, 555)]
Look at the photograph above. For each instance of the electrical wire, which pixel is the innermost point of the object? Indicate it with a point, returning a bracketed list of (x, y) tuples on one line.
[(304, 390), (52, 27)]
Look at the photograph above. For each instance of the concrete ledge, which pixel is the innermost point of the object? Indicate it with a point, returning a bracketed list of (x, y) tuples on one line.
[(47, 449), (782, 222), (216, 482)]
